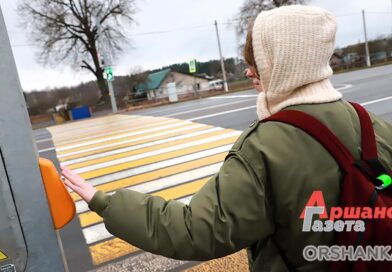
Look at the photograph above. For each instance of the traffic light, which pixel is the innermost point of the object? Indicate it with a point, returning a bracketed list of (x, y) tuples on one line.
[(109, 73)]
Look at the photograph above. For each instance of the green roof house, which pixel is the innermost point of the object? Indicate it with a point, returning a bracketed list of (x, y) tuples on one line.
[(156, 83)]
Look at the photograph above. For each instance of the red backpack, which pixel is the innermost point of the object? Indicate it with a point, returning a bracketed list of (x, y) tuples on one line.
[(366, 184)]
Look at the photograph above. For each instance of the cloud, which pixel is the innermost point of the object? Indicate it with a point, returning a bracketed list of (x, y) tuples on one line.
[(180, 45)]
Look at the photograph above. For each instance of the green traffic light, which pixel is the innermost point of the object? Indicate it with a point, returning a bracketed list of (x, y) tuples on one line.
[(109, 73)]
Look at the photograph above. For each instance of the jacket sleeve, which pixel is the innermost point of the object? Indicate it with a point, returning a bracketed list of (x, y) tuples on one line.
[(230, 212)]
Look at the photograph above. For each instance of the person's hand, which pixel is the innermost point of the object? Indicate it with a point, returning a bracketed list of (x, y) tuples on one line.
[(78, 184)]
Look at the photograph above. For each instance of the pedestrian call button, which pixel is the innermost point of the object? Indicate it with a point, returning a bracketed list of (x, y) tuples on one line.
[(61, 205)]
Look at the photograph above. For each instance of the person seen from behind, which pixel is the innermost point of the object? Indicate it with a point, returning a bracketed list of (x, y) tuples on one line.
[(256, 199)]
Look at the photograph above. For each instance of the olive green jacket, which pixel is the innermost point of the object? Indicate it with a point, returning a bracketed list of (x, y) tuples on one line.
[(258, 194)]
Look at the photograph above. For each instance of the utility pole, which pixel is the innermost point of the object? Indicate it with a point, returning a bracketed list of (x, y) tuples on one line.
[(107, 66), (366, 40), (391, 15), (221, 59)]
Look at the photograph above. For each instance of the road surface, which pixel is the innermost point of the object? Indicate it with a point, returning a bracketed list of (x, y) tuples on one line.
[(169, 151)]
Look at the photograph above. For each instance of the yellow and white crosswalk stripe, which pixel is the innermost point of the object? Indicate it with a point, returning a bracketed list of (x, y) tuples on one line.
[(117, 138), (73, 163), (157, 147), (165, 157)]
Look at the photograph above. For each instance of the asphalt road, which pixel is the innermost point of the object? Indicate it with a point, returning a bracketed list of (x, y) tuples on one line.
[(236, 111), (371, 87)]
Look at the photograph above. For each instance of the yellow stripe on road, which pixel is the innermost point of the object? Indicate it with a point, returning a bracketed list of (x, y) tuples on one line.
[(113, 132), (157, 158), (90, 218), (110, 250), (116, 248), (160, 173), (70, 132), (147, 149), (138, 133), (192, 128)]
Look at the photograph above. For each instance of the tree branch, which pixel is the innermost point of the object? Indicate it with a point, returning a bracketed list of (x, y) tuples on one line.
[(88, 67)]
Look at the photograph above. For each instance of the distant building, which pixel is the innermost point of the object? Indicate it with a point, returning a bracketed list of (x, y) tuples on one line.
[(336, 60), (379, 56), (155, 86), (351, 57)]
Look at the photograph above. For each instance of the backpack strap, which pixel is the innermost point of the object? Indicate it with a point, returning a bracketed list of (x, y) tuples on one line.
[(369, 148), (368, 141), (319, 132)]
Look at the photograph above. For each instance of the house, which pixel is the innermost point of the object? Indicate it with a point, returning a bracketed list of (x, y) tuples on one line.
[(351, 57), (379, 56), (156, 85)]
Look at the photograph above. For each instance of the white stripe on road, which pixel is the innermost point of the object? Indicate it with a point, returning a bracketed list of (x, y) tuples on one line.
[(46, 149), (207, 108), (194, 126), (98, 232), (125, 135), (376, 101), (158, 165), (131, 118), (345, 86), (148, 144), (93, 123), (234, 96), (43, 140), (154, 153), (220, 113), (163, 183)]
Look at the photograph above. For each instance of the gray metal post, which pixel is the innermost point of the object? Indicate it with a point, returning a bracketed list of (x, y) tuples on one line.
[(368, 63), (107, 63), (19, 172), (61, 247), (112, 97), (221, 58), (391, 16)]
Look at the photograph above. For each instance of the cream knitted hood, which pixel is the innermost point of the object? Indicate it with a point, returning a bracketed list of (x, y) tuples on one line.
[(292, 47)]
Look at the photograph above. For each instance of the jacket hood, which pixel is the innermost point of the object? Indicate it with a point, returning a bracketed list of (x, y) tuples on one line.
[(292, 48)]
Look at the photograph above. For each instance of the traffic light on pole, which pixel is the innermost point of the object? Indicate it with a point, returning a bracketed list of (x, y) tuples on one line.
[(109, 73)]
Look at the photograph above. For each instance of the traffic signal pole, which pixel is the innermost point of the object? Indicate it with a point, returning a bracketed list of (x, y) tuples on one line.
[(112, 97), (107, 65)]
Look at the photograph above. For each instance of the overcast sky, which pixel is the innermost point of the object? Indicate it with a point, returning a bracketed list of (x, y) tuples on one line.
[(154, 51)]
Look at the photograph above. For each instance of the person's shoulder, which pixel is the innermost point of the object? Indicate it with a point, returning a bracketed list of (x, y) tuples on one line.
[(245, 135), (257, 135)]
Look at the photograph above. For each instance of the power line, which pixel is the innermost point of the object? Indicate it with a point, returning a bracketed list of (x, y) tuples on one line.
[(138, 34), (347, 14), (171, 30), (25, 45), (379, 12)]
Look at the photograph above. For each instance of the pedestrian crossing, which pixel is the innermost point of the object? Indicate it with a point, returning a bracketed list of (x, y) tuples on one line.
[(161, 156)]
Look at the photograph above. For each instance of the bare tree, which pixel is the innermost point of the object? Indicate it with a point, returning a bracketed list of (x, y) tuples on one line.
[(251, 8), (67, 31)]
